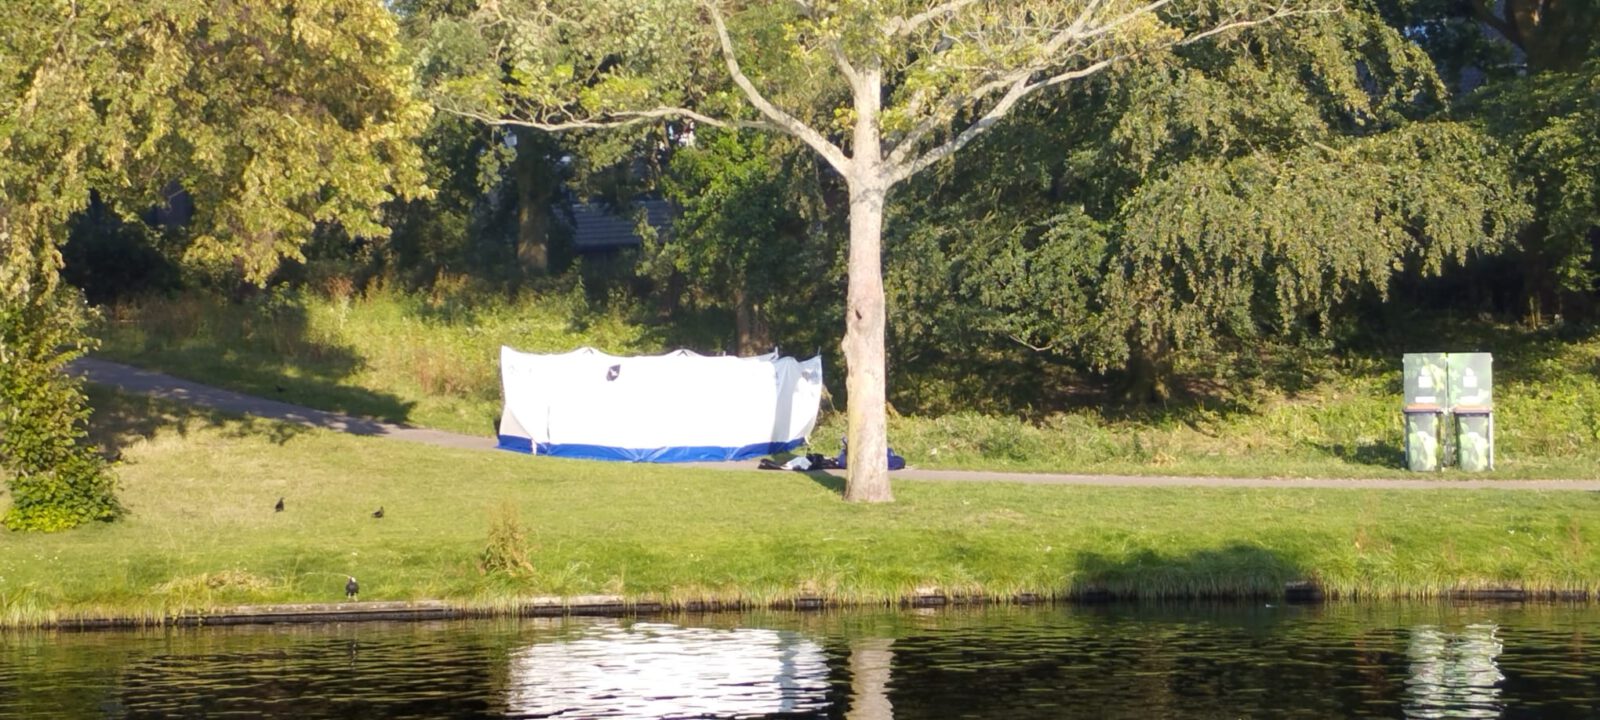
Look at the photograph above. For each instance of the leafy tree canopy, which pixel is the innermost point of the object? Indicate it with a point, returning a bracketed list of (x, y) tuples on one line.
[(1207, 194), (275, 116)]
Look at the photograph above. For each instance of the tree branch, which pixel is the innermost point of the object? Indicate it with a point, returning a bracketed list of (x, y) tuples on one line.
[(1075, 32), (1279, 14), (834, 48), (1020, 87), (610, 121), (906, 26), (1483, 11), (784, 121), (1031, 346), (908, 143)]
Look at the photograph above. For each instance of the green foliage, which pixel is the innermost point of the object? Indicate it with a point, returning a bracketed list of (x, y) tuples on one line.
[(1197, 200), (1267, 240), (57, 481), (276, 118), (1551, 121), (750, 237)]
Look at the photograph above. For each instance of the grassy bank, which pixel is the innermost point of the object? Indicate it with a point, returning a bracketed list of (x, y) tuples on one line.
[(433, 361), (485, 529)]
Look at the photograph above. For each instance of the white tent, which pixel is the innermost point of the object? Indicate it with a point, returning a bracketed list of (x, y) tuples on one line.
[(677, 407)]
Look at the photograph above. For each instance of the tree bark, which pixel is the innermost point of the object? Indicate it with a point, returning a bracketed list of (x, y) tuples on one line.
[(535, 188), (1148, 372), (750, 324), (867, 473), (867, 468)]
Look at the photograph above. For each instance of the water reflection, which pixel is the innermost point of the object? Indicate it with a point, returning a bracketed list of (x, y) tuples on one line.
[(1454, 674), (870, 660), (1114, 661), (654, 670)]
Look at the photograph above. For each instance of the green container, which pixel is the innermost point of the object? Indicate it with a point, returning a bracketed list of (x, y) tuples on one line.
[(1449, 406), (1475, 441), (1427, 380), (1471, 381), (1422, 439)]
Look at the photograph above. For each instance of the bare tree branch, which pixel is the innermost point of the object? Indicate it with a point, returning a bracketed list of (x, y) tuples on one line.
[(942, 114), (1279, 14), (834, 48), (610, 121), (1031, 346), (1073, 32), (1020, 88), (785, 122), (843, 62), (1076, 33), (906, 26)]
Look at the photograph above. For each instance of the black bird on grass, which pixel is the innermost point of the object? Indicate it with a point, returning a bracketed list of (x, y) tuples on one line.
[(351, 587), (378, 513), (279, 506)]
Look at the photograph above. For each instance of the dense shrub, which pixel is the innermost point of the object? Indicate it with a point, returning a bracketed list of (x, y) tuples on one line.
[(57, 480)]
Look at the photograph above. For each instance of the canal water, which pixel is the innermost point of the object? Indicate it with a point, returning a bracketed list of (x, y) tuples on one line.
[(1094, 661)]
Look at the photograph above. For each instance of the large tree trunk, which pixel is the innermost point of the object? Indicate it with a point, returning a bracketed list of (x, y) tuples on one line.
[(750, 324), (867, 476), (535, 188)]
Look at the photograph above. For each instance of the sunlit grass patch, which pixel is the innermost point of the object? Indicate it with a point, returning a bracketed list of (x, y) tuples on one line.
[(202, 533)]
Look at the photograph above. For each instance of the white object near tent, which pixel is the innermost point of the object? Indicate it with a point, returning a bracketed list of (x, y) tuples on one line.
[(677, 407)]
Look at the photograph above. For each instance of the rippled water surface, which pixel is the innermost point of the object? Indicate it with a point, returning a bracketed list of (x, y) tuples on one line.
[(1114, 661)]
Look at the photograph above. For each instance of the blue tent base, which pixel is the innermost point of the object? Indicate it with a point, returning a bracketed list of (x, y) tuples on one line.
[(650, 455)]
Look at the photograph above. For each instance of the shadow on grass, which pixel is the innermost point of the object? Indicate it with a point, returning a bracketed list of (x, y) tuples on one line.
[(119, 420), (830, 482), (261, 346), (1384, 455), (1233, 571)]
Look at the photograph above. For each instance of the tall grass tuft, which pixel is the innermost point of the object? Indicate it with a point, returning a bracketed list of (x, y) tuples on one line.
[(507, 549)]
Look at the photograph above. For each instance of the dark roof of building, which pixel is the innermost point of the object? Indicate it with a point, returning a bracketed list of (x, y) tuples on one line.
[(598, 227)]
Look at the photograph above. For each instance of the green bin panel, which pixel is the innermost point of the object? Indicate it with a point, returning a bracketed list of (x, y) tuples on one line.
[(1427, 380), (1471, 380), (1475, 441), (1422, 440)]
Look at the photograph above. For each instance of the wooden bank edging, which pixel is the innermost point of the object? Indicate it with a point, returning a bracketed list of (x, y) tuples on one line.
[(611, 606)]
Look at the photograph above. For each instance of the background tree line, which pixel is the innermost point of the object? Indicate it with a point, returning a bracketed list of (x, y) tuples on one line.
[(1318, 180)]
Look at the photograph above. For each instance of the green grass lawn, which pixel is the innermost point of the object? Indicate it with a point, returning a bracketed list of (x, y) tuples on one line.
[(434, 362), (201, 532)]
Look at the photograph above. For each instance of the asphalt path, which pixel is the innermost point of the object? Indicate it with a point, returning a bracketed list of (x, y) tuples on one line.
[(138, 381)]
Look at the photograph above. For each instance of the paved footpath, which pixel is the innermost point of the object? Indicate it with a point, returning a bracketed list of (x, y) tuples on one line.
[(138, 381)]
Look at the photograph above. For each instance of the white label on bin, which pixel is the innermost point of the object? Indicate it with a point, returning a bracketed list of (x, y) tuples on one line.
[(1424, 380), (1469, 379)]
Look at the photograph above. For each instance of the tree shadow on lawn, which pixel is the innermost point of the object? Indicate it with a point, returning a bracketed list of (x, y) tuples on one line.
[(119, 420), (831, 481), (261, 346), (1234, 571)]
